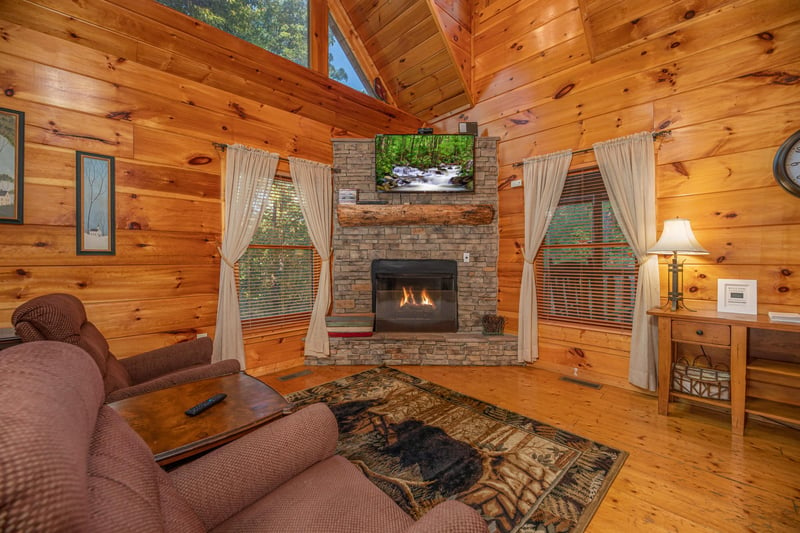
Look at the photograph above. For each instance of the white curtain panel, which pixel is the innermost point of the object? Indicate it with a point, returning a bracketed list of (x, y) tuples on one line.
[(544, 178), (248, 180), (314, 187), (628, 168)]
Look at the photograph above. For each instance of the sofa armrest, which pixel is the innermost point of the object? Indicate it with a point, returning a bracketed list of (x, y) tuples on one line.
[(196, 373), (225, 481), (155, 363), (450, 517)]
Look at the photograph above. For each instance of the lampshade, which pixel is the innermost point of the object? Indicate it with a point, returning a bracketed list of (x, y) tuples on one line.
[(677, 237)]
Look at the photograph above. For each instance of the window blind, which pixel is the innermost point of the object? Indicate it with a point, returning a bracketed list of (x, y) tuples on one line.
[(278, 274), (585, 271)]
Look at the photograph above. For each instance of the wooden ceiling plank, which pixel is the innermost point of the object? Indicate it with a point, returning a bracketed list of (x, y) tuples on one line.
[(429, 84), (459, 10), (485, 15), (423, 32), (402, 75), (447, 107), (383, 13), (358, 10), (440, 93), (395, 29)]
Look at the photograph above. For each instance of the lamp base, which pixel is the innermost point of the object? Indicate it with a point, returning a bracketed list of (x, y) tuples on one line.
[(676, 305), (675, 294)]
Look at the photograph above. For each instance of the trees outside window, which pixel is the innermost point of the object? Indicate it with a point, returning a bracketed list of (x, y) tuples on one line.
[(585, 270), (278, 273), (278, 26)]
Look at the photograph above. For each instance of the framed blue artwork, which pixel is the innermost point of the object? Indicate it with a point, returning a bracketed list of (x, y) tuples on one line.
[(12, 143), (95, 204)]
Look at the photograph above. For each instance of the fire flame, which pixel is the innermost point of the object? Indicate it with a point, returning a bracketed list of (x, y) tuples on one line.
[(409, 298)]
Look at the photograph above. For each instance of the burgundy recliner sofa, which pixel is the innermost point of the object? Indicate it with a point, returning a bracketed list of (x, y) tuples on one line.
[(62, 317), (68, 462)]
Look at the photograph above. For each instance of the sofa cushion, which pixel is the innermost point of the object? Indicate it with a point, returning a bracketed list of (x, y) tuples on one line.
[(332, 495), (128, 491)]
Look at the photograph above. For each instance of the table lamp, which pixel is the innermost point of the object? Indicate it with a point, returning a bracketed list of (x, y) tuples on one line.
[(677, 238)]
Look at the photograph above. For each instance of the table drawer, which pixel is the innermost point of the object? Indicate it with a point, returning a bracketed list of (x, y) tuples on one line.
[(701, 332)]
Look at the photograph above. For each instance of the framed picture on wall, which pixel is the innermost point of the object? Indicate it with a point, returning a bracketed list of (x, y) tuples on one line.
[(737, 296), (12, 143), (95, 204)]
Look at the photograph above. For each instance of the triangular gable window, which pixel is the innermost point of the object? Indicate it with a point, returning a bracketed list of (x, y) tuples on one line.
[(342, 64)]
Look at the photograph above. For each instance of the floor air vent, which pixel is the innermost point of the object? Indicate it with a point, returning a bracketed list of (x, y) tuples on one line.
[(301, 373), (581, 382)]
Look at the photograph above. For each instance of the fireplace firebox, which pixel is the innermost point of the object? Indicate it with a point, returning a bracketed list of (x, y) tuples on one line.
[(415, 295)]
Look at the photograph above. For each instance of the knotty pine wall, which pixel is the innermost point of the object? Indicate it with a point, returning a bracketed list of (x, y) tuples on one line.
[(153, 89), (723, 76)]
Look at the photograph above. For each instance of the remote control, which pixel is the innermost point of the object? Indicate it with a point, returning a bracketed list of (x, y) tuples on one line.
[(205, 404)]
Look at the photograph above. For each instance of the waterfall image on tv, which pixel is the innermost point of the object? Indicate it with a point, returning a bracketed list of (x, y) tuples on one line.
[(424, 163)]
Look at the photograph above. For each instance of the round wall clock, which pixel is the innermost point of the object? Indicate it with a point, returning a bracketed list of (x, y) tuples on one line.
[(786, 166)]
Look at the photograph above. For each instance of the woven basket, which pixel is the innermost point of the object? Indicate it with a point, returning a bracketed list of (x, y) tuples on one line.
[(493, 324), (701, 380)]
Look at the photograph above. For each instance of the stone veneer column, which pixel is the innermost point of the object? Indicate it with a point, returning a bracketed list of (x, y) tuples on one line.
[(356, 247)]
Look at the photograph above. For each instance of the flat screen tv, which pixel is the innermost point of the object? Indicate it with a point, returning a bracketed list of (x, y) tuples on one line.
[(425, 163)]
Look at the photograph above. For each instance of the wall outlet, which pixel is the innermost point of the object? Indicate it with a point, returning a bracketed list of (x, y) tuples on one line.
[(516, 183), (466, 257), (575, 371), (201, 335)]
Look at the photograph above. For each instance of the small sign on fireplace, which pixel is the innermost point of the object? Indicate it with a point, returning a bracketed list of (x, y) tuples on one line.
[(348, 196)]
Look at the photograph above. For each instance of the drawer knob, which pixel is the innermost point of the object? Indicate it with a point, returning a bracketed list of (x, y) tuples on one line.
[(699, 332)]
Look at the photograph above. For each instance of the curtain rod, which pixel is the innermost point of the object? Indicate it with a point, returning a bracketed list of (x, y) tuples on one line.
[(223, 147), (586, 150)]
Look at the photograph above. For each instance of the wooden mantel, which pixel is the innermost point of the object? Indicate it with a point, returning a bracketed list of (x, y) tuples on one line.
[(415, 215)]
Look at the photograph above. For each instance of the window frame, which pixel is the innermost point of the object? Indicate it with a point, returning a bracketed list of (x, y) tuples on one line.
[(347, 50)]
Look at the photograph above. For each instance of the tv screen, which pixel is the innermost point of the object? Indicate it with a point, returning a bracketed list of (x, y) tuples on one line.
[(424, 163)]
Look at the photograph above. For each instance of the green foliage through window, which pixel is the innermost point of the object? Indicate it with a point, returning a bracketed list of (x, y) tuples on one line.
[(278, 273), (585, 270), (279, 26)]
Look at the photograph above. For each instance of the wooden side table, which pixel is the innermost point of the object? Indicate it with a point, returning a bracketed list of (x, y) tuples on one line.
[(763, 358), (158, 417)]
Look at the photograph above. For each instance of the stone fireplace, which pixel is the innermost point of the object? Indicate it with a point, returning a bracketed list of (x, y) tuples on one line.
[(474, 284)]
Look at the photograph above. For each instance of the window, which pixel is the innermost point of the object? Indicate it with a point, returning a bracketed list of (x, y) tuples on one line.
[(585, 271), (278, 273), (342, 64), (279, 26)]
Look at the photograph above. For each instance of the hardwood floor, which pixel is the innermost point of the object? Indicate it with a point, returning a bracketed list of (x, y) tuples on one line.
[(685, 472)]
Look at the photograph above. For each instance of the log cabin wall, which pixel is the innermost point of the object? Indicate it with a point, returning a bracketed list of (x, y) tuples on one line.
[(152, 88), (722, 75)]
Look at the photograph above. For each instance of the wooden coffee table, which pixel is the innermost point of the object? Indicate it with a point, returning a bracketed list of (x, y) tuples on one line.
[(158, 417)]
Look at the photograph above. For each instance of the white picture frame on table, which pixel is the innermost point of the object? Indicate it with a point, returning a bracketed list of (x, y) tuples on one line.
[(737, 296)]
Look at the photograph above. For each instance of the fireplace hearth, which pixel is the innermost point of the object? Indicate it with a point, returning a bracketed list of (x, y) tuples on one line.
[(415, 295)]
